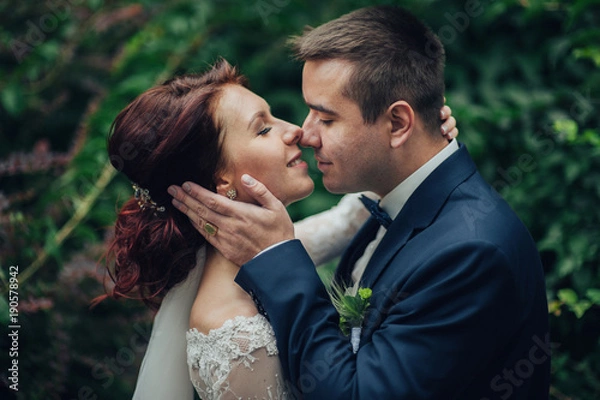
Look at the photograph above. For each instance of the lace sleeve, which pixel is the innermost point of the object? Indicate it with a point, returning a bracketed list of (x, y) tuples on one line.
[(239, 360), (326, 235)]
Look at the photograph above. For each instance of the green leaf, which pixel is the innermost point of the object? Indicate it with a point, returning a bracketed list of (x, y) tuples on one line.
[(365, 293), (594, 295), (568, 296), (572, 171), (567, 265), (4, 318), (590, 52), (591, 136), (567, 128), (12, 99), (580, 308)]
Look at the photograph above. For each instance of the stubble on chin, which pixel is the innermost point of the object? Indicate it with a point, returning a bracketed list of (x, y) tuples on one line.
[(333, 187)]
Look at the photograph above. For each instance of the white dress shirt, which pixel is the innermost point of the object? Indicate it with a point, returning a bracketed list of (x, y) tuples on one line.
[(393, 202)]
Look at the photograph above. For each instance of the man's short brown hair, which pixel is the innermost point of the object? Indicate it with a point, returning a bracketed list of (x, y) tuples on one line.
[(395, 57)]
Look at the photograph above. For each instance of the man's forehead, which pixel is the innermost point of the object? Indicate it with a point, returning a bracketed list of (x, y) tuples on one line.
[(323, 81), (333, 69)]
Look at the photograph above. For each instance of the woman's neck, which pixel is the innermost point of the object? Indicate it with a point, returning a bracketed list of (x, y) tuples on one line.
[(217, 263), (219, 298)]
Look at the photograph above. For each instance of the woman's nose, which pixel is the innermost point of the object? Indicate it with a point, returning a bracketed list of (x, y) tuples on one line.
[(292, 135)]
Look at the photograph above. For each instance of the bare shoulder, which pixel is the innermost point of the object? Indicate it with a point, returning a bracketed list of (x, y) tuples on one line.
[(208, 315)]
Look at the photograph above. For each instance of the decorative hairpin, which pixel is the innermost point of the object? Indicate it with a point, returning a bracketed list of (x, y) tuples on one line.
[(144, 200)]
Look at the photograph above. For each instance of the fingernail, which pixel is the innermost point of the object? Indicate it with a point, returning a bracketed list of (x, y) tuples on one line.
[(172, 191), (248, 180), (443, 113), (176, 203), (444, 130), (187, 187)]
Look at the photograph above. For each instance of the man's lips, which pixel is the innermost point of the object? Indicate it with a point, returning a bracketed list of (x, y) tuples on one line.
[(323, 165), (322, 162)]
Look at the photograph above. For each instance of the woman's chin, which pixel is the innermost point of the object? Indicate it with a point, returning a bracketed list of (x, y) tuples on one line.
[(300, 195)]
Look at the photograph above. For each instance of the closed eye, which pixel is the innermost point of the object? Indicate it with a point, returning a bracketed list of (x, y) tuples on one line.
[(326, 121), (264, 131)]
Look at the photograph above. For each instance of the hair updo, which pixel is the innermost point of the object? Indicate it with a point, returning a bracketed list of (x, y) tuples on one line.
[(166, 136)]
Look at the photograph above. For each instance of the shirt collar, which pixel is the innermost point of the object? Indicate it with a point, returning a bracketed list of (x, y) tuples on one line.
[(393, 202)]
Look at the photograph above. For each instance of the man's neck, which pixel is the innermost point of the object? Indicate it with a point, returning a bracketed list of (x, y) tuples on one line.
[(410, 158), (394, 201)]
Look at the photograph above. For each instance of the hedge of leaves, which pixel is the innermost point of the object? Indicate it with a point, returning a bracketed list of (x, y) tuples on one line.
[(523, 79)]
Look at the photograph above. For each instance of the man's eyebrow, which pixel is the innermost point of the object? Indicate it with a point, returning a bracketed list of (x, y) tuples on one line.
[(323, 109)]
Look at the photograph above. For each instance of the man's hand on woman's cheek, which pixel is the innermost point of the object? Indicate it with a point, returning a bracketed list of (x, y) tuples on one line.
[(238, 230)]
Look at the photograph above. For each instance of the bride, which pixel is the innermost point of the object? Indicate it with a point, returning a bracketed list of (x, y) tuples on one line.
[(209, 129)]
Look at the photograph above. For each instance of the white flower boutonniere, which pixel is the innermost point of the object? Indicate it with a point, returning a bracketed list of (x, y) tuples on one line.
[(352, 308)]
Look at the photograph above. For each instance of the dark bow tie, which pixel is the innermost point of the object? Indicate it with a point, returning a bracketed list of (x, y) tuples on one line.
[(377, 212)]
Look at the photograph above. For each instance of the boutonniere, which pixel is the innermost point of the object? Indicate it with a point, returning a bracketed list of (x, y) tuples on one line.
[(351, 306)]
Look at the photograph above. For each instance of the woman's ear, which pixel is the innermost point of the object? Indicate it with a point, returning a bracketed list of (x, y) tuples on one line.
[(402, 119), (224, 182)]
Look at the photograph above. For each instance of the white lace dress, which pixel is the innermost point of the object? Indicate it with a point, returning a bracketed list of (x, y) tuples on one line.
[(239, 359)]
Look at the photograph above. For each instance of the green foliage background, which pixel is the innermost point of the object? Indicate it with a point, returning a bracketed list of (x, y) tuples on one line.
[(523, 79)]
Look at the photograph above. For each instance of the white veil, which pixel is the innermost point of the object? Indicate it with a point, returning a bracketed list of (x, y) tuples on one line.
[(164, 371)]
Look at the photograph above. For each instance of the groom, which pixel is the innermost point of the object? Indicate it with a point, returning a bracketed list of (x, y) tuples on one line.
[(458, 309)]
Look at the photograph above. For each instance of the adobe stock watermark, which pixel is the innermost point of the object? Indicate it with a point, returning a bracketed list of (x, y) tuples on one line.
[(510, 176), (39, 28), (14, 327), (111, 367), (266, 8), (583, 105), (545, 142), (128, 151), (457, 23), (505, 383)]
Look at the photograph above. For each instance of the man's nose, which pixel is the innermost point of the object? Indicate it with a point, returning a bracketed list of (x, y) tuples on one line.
[(310, 134)]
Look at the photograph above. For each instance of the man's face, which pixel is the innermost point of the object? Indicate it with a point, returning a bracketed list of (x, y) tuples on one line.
[(351, 154)]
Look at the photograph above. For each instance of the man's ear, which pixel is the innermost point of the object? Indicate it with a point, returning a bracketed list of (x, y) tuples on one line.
[(402, 118)]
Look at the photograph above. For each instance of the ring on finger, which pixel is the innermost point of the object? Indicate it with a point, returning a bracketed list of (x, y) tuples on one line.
[(210, 229)]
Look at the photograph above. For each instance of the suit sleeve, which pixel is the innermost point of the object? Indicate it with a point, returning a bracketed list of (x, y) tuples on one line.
[(431, 335)]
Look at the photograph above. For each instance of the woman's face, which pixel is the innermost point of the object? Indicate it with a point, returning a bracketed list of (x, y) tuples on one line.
[(258, 144)]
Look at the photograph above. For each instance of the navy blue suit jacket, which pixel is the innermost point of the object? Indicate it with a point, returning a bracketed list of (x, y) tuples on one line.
[(458, 308)]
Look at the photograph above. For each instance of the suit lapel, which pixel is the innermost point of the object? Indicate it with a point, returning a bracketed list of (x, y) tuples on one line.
[(420, 210)]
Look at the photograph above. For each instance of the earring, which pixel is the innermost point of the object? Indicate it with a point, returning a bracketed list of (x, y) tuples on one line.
[(232, 194)]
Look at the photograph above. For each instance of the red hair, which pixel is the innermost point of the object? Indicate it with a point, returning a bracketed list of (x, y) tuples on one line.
[(166, 136)]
